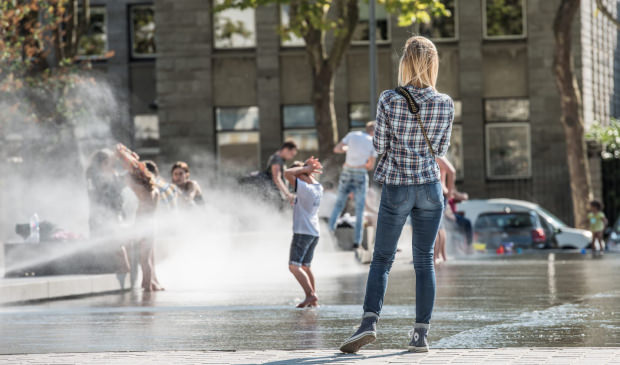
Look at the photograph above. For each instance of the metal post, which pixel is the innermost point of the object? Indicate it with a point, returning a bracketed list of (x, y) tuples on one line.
[(372, 50)]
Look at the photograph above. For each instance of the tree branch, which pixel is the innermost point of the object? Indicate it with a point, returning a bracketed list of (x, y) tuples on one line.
[(70, 19), (607, 13), (348, 11), (82, 25), (563, 63), (311, 34)]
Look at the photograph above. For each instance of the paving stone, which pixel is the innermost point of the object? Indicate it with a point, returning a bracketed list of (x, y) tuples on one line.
[(521, 356)]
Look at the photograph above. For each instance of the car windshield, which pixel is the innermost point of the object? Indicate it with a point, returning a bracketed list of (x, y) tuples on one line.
[(551, 218), (505, 220)]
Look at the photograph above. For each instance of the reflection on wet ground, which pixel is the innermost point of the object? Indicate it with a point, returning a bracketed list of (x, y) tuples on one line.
[(538, 299)]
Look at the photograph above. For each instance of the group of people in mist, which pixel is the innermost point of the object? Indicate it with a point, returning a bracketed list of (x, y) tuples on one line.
[(409, 138), (108, 218)]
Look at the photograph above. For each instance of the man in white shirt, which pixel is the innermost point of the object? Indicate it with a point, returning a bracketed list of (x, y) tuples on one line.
[(361, 157)]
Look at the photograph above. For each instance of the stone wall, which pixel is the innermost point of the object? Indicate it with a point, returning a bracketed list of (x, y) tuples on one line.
[(193, 79), (184, 79)]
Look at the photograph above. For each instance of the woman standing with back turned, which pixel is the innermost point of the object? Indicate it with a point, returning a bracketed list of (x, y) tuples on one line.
[(413, 126)]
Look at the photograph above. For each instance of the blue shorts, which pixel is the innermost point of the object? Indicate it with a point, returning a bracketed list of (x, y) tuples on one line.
[(302, 249)]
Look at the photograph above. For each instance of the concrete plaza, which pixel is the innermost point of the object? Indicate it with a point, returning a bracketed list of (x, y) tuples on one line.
[(311, 357)]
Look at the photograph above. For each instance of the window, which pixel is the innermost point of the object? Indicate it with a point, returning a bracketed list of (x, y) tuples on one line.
[(146, 133), (455, 152), (504, 19), (94, 43), (508, 150), (458, 111), (142, 31), (234, 28), (359, 115), (238, 137), (298, 116), (507, 110), (442, 28), (290, 40), (300, 127), (307, 142), (505, 220), (361, 33)]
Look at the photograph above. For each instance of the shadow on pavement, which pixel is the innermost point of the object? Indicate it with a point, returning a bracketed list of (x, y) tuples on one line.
[(334, 359)]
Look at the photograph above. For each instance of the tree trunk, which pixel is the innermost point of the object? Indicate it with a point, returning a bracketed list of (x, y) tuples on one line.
[(571, 117), (324, 111)]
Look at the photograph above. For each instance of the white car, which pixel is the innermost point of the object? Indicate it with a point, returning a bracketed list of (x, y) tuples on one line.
[(565, 236)]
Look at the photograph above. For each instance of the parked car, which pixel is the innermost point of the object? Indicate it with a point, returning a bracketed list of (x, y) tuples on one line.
[(517, 229), (563, 235)]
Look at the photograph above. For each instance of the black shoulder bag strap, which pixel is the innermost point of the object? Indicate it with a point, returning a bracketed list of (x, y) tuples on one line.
[(415, 110)]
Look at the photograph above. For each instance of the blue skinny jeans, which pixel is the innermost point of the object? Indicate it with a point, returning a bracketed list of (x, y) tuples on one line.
[(425, 204), (351, 181)]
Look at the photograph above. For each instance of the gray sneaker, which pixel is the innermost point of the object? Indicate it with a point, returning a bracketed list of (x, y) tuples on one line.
[(365, 334), (419, 338)]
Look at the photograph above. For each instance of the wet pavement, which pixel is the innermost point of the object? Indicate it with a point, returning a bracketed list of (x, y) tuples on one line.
[(541, 299), (505, 356)]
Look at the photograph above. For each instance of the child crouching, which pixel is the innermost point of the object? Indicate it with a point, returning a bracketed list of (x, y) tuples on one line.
[(305, 225)]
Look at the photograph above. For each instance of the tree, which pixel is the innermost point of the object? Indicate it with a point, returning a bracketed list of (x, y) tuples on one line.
[(40, 42), (327, 27), (571, 117), (608, 136), (603, 9), (570, 96), (41, 76)]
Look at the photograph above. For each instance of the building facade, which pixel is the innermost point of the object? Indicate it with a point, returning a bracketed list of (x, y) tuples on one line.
[(120, 43), (227, 89)]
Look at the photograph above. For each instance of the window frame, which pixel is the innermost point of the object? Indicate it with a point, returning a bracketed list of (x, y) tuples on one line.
[(231, 49), (99, 57), (349, 124), (284, 129), (486, 37), (282, 44), (215, 109), (234, 131), (487, 151), (378, 41), (146, 150), (456, 37), (132, 53), (484, 109), (284, 137), (460, 173)]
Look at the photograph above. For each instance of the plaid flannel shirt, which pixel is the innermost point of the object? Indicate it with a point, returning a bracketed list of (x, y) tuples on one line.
[(406, 158)]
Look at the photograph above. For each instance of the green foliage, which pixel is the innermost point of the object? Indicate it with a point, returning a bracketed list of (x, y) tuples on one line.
[(92, 42), (226, 28), (416, 11), (36, 88), (608, 136), (314, 14), (504, 17), (144, 30)]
